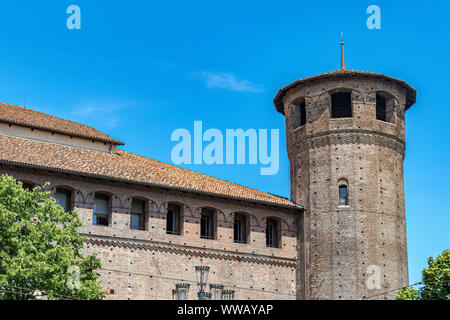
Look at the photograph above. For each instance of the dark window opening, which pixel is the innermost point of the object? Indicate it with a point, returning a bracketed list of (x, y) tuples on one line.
[(343, 196), (381, 108), (385, 107), (28, 186), (173, 223), (207, 224), (302, 114), (63, 198), (137, 214), (272, 233), (298, 113), (341, 105), (240, 228), (101, 210)]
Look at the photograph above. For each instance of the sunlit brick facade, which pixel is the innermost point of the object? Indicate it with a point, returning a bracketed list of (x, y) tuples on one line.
[(151, 223)]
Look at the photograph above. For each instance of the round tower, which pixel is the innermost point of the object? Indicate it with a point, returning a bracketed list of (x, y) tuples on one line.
[(346, 145)]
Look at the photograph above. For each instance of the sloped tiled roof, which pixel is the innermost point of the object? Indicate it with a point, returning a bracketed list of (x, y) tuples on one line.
[(410, 96), (38, 120), (126, 167)]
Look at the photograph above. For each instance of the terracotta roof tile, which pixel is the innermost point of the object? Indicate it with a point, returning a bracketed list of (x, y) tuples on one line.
[(127, 167), (38, 120)]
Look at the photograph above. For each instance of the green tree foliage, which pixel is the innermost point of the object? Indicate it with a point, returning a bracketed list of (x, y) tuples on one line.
[(435, 280), (40, 249), (407, 293)]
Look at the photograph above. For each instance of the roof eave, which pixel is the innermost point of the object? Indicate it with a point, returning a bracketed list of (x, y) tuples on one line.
[(154, 185), (18, 123)]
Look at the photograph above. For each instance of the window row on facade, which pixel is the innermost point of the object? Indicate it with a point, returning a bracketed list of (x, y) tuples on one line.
[(341, 107), (174, 217)]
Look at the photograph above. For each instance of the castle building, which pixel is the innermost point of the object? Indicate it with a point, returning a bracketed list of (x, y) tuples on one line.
[(341, 236), (346, 145), (152, 223)]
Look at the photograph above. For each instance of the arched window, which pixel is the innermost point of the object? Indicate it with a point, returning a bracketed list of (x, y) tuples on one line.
[(137, 214), (272, 234), (240, 228), (341, 105), (207, 224), (385, 105), (63, 198), (101, 209), (343, 195), (173, 222)]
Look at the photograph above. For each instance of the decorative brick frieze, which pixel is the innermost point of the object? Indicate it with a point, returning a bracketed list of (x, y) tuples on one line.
[(191, 252), (355, 136)]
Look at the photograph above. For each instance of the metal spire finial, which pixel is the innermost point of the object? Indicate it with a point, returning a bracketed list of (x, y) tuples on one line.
[(342, 52)]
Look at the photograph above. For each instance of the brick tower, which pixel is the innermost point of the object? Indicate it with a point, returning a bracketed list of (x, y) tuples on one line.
[(346, 145)]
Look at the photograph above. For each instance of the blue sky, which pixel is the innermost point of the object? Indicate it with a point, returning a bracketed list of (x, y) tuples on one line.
[(140, 69)]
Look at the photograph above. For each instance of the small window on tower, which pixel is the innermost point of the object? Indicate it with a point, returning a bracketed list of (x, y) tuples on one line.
[(341, 105), (343, 196), (385, 107), (298, 113), (381, 108), (303, 114)]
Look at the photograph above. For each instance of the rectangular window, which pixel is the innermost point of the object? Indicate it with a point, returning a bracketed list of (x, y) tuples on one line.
[(138, 214), (381, 108), (173, 224), (101, 210), (272, 233), (341, 105), (207, 224), (63, 198), (302, 114), (240, 228)]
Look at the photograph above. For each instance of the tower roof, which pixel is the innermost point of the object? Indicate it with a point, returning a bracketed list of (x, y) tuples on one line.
[(344, 73)]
